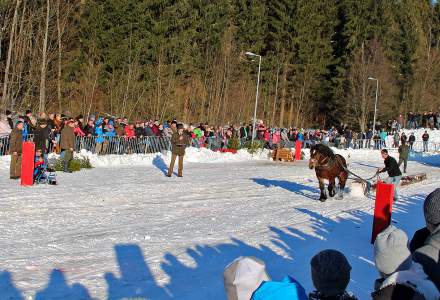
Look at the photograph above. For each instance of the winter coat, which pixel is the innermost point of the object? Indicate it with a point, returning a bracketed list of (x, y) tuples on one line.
[(41, 139), (411, 139), (287, 289), (129, 132), (317, 296), (149, 131), (429, 257), (276, 138), (119, 129), (4, 127), (414, 278), (419, 239), (89, 130), (139, 131), (110, 133), (179, 142), (155, 129), (78, 132), (67, 138), (198, 132), (391, 167), (99, 134), (16, 141), (403, 151), (383, 135), (425, 137), (267, 136)]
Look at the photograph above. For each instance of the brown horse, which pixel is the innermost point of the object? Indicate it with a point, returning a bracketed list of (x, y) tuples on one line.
[(328, 165)]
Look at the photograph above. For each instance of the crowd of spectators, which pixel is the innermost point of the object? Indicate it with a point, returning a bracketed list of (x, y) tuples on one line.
[(99, 131), (406, 270)]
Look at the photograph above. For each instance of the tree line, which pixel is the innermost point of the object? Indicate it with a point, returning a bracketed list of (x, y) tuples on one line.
[(185, 58)]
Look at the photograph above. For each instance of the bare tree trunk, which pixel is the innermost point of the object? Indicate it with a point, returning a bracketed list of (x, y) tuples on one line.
[(274, 109), (42, 105), (8, 60), (364, 92), (302, 96), (159, 83), (59, 57), (291, 111), (283, 95)]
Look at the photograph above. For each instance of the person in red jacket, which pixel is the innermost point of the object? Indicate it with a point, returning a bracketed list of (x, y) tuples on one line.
[(77, 130), (129, 131)]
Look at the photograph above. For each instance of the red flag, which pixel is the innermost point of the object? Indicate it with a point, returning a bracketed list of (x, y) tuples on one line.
[(383, 208), (27, 164), (298, 146)]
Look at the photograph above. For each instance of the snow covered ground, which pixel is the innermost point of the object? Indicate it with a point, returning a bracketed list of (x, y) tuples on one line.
[(124, 230)]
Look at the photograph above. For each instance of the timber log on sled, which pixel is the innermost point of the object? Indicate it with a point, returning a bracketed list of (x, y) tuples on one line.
[(407, 180)]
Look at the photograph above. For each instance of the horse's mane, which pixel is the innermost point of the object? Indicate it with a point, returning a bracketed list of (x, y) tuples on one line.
[(324, 150)]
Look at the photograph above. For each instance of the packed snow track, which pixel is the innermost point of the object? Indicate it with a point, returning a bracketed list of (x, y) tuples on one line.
[(128, 231)]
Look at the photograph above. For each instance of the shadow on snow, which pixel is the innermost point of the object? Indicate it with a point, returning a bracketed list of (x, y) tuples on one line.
[(288, 253)]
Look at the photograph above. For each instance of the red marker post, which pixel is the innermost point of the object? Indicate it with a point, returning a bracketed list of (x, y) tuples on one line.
[(27, 164), (383, 208), (298, 146)]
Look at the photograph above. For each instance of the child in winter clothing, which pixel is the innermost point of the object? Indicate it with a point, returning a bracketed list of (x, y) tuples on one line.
[(330, 276), (243, 276), (400, 277), (246, 278)]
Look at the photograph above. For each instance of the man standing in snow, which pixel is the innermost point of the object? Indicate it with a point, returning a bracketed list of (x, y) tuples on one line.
[(392, 168), (67, 144), (411, 140), (15, 149), (403, 155), (425, 138), (179, 142)]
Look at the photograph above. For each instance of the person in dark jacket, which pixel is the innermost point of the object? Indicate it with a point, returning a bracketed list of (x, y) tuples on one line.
[(403, 155), (42, 138), (330, 275), (179, 142), (425, 138), (392, 168), (15, 149), (89, 129), (411, 140), (427, 249), (67, 144), (403, 137)]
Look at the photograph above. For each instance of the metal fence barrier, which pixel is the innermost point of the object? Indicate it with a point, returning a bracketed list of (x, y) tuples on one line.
[(144, 145)]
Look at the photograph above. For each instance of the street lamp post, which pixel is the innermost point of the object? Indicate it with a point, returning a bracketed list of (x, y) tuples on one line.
[(256, 95), (375, 103)]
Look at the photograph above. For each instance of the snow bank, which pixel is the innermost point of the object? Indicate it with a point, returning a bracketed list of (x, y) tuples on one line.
[(193, 155), (434, 135)]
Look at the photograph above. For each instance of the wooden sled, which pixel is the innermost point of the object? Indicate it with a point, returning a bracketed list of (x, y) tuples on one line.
[(282, 154), (408, 179)]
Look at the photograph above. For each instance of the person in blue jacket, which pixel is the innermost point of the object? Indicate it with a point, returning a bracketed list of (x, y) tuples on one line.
[(383, 137), (99, 133)]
